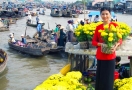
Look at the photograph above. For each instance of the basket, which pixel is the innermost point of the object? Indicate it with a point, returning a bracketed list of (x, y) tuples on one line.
[(105, 49), (83, 45)]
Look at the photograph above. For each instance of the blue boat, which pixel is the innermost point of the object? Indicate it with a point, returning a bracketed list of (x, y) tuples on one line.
[(94, 13)]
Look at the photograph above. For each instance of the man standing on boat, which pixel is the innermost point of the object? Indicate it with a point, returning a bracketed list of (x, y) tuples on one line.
[(39, 28), (29, 18), (37, 19)]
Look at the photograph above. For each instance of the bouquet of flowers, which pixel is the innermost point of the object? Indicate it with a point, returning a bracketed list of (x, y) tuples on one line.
[(111, 35)]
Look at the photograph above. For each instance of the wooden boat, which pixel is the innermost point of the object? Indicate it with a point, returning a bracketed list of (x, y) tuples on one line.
[(41, 13), (32, 48), (33, 25), (69, 13), (2, 29), (75, 15), (56, 49), (46, 37), (3, 60), (56, 13)]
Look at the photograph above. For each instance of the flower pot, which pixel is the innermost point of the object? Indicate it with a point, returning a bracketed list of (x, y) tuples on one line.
[(83, 45), (105, 49)]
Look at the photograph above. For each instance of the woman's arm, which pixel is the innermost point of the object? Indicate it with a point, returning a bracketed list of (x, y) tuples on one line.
[(95, 38)]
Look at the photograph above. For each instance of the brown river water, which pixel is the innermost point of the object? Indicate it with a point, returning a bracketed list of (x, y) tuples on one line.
[(24, 72)]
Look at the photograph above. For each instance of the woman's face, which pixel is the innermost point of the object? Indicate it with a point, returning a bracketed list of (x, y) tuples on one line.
[(105, 15)]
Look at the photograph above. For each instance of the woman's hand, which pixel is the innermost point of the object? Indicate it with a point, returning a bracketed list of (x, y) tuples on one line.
[(115, 47), (99, 44)]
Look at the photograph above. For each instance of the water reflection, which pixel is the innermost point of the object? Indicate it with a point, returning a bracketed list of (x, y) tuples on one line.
[(3, 80)]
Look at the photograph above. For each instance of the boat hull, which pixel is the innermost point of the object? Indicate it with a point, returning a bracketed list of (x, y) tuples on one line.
[(30, 51), (3, 65)]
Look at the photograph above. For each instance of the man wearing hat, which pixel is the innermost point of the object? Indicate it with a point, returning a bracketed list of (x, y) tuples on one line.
[(29, 18), (39, 28), (70, 29), (37, 19), (23, 39)]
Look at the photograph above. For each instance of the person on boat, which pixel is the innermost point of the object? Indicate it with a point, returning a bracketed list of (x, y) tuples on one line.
[(23, 39), (29, 18), (37, 19), (39, 28), (87, 21), (90, 18), (96, 19), (56, 31), (82, 22), (75, 24), (117, 62), (12, 38), (70, 29), (105, 62), (43, 11), (94, 64), (61, 39), (114, 18)]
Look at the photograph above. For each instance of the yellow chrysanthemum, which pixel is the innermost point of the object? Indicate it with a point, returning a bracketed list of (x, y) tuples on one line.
[(110, 39), (119, 35), (111, 34)]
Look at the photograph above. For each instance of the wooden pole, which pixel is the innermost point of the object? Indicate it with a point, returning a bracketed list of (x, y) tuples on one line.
[(84, 9)]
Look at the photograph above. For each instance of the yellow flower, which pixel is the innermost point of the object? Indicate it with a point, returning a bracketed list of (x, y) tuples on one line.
[(110, 39), (112, 27), (104, 33), (111, 34), (119, 35), (78, 33), (87, 32), (91, 33), (106, 26), (100, 30)]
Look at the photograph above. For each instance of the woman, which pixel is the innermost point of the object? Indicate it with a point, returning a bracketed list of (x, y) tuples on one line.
[(105, 62), (61, 41), (56, 31)]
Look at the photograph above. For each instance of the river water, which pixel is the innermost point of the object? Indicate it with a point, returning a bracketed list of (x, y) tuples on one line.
[(24, 72)]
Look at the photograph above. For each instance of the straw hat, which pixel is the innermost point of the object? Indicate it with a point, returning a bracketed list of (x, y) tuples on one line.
[(11, 36), (62, 27), (75, 22), (22, 35), (40, 22)]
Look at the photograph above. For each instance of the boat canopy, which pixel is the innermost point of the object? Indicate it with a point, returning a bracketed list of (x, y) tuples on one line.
[(94, 13), (54, 7)]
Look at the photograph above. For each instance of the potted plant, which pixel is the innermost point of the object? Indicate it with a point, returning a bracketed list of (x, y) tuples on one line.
[(111, 35), (84, 34)]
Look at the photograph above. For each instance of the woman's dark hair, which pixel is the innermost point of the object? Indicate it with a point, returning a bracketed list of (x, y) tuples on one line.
[(118, 58), (105, 8)]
